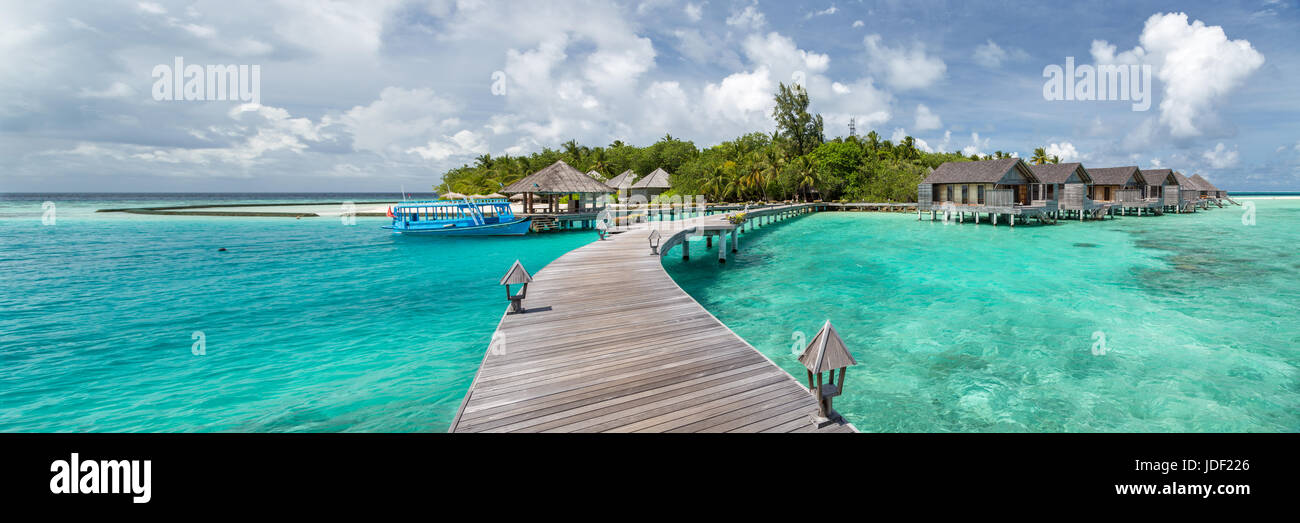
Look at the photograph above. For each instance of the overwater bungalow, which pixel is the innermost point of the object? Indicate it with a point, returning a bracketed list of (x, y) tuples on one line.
[(1067, 183), (652, 184), (1189, 193), (1208, 190), (1162, 187), (1005, 188), (1123, 188), (555, 182)]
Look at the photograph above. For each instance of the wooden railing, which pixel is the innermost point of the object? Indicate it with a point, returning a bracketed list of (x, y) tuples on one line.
[(1000, 197), (1128, 195)]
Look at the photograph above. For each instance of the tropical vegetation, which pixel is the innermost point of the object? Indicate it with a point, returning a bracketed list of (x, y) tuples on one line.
[(794, 162)]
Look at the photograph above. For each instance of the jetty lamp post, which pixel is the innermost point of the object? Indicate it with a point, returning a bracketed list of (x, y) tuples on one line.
[(516, 276), (654, 241), (826, 353)]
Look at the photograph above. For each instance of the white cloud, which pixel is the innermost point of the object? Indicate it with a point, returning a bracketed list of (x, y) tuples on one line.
[(904, 68), (925, 119), (858, 23), (977, 146), (259, 130), (1065, 151), (780, 55), (116, 90), (151, 8), (748, 18), (1221, 157), (824, 12), (1197, 64), (693, 11), (991, 55), (463, 143), (399, 120), (947, 140), (744, 98)]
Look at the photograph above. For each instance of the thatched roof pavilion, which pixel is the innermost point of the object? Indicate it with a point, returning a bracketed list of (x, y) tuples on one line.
[(652, 184), (623, 181), (558, 179), (657, 179)]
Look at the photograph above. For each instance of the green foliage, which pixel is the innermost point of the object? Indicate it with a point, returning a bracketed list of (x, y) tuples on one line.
[(793, 122), (795, 162)]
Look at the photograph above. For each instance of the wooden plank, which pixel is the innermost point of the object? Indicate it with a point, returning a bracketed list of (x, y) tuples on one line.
[(609, 342)]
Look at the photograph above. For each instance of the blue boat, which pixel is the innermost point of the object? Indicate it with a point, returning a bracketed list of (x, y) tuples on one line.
[(490, 217)]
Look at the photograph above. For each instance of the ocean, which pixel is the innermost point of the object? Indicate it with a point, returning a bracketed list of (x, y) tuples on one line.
[(1136, 324), (307, 325)]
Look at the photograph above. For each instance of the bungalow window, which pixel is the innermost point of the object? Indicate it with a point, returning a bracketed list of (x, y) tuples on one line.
[(979, 194), (1051, 191), (965, 194), (949, 192)]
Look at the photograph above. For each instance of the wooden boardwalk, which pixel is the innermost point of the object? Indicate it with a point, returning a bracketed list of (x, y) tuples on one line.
[(610, 343)]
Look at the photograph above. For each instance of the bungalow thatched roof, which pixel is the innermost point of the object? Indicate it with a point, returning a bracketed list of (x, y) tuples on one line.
[(622, 181), (1185, 183), (1156, 176), (1060, 172), (984, 171), (1114, 175), (657, 179), (558, 178), (1205, 183), (1201, 183)]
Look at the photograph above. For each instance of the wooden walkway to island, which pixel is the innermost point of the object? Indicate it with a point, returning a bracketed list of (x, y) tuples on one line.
[(609, 343)]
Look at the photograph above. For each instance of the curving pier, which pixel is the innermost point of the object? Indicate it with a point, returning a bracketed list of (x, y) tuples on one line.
[(610, 343)]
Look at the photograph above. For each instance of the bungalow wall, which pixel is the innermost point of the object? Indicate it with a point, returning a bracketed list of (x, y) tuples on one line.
[(961, 193)]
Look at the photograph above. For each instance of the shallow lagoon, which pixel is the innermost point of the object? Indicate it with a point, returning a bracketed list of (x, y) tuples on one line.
[(982, 328), (309, 325)]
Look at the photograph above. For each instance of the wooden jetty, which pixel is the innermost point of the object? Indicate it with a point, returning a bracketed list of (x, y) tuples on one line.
[(609, 343)]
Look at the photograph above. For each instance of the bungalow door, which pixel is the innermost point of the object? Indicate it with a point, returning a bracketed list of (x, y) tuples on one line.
[(1022, 194)]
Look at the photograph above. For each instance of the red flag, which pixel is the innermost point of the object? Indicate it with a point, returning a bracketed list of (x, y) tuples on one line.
[(390, 211)]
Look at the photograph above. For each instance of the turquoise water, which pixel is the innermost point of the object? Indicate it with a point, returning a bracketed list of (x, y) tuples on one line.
[(309, 325), (981, 328), (314, 326)]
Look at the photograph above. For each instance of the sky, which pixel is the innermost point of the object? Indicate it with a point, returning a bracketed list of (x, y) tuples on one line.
[(388, 94)]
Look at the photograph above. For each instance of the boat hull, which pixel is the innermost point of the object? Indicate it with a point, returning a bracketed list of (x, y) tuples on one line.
[(514, 228)]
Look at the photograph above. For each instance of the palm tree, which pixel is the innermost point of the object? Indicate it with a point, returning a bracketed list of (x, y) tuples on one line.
[(1055, 159), (908, 146), (1039, 157), (572, 150), (805, 171), (715, 181)]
